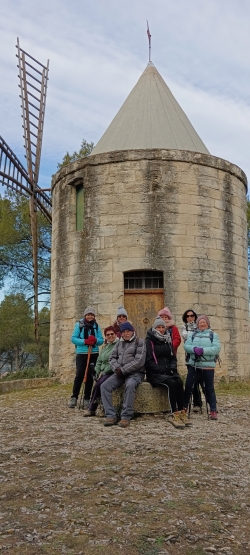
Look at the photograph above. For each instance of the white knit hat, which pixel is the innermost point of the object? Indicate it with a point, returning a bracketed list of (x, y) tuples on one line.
[(121, 311), (89, 310), (159, 322)]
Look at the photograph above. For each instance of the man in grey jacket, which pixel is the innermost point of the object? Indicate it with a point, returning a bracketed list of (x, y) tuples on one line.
[(127, 361)]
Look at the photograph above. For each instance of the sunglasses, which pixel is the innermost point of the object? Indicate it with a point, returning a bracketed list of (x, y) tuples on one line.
[(109, 334), (190, 315)]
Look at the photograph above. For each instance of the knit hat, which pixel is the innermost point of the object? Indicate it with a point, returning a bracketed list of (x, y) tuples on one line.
[(159, 322), (89, 310), (126, 326), (121, 311), (203, 317), (109, 328), (184, 316), (165, 312)]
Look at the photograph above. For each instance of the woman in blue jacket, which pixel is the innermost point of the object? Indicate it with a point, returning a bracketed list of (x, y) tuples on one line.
[(203, 346), (86, 334)]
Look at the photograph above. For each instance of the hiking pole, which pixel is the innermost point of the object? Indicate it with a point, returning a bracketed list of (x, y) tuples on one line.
[(192, 391), (85, 375)]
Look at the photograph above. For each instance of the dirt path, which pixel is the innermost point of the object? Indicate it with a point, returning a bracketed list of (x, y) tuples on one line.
[(71, 486)]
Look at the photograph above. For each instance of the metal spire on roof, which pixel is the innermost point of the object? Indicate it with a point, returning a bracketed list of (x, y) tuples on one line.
[(149, 43)]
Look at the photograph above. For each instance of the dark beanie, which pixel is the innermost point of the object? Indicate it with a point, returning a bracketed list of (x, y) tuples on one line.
[(126, 326)]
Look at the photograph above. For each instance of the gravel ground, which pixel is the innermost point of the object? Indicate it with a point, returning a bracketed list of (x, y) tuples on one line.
[(71, 486)]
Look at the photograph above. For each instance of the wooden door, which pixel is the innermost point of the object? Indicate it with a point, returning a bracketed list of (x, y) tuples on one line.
[(142, 306)]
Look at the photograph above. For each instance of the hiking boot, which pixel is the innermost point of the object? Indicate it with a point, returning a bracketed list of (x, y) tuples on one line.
[(84, 404), (124, 423), (196, 409), (100, 411), (175, 419), (184, 418), (110, 421), (213, 415), (73, 402), (88, 413)]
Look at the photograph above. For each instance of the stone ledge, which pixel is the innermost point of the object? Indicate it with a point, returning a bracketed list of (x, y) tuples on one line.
[(15, 385), (148, 399), (148, 154)]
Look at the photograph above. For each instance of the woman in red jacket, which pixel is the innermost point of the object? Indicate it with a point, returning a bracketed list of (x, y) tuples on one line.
[(166, 315)]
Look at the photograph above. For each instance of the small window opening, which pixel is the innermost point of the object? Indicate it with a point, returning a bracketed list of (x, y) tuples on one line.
[(79, 207), (147, 279)]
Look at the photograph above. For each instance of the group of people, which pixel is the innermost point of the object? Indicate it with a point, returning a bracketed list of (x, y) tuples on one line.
[(126, 358)]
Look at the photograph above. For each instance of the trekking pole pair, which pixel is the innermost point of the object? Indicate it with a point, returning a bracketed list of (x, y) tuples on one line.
[(85, 376)]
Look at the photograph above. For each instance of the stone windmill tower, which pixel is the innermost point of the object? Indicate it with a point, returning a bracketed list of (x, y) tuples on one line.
[(150, 219)]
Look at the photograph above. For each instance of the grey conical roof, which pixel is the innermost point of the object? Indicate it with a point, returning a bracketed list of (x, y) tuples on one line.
[(150, 118)]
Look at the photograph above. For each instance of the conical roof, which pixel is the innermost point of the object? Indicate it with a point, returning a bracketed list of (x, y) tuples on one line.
[(150, 118)]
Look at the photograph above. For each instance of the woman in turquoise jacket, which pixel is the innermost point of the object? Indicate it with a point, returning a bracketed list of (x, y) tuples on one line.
[(203, 347), (86, 334)]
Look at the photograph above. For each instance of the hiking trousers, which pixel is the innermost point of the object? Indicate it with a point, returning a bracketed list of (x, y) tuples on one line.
[(96, 393), (207, 377), (131, 383), (81, 361), (175, 392)]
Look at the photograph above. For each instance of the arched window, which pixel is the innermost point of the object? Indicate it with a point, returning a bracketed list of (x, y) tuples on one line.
[(79, 206)]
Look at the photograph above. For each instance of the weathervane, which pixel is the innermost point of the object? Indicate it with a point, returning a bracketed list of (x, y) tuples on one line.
[(149, 43)]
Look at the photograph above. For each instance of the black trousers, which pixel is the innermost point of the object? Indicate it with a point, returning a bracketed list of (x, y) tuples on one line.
[(176, 392), (197, 400), (81, 361)]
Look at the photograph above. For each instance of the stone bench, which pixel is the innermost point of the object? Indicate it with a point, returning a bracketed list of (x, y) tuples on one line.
[(148, 399)]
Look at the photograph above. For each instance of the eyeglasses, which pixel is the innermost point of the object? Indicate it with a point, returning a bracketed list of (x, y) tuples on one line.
[(109, 334), (122, 316), (190, 315)]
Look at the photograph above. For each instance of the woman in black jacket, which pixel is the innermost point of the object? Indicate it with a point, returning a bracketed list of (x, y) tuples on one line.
[(161, 369)]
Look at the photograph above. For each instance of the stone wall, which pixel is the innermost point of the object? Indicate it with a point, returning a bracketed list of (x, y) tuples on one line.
[(177, 211)]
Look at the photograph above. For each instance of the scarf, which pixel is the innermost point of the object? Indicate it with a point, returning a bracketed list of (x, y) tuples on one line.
[(89, 326), (169, 323)]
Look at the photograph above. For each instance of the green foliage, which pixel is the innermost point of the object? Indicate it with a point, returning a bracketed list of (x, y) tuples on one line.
[(18, 348), (16, 247), (27, 374), (85, 150), (248, 227), (234, 388), (16, 331)]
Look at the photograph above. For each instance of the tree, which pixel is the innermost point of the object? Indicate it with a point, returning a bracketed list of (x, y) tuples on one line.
[(85, 150), (16, 331), (248, 234), (16, 247), (18, 348)]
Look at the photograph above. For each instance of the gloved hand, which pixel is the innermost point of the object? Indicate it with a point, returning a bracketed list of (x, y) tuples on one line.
[(198, 351), (119, 373), (90, 341), (93, 338)]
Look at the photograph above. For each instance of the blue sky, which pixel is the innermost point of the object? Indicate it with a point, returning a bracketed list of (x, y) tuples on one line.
[(97, 52)]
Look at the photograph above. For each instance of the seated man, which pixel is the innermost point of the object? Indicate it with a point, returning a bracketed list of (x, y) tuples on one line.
[(127, 361)]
